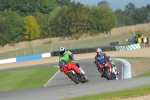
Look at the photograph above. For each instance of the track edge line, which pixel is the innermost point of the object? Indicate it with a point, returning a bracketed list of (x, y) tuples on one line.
[(51, 78)]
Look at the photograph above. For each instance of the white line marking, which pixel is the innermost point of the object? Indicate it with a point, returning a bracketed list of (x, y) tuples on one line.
[(51, 78)]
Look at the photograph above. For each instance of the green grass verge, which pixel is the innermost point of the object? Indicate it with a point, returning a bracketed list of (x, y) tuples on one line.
[(26, 78), (48, 47), (144, 75), (137, 91)]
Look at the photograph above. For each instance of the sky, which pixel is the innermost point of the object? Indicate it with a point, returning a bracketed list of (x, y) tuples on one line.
[(115, 4)]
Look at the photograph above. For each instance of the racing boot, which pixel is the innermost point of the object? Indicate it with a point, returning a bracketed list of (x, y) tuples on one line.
[(83, 78), (116, 77), (117, 73), (81, 70), (82, 73)]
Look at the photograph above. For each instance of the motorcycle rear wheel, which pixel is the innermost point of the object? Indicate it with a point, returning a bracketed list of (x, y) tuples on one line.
[(84, 79)]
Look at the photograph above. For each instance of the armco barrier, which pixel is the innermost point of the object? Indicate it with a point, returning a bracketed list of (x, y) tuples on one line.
[(75, 51), (24, 58), (86, 50), (56, 53), (11, 60), (128, 47), (31, 57)]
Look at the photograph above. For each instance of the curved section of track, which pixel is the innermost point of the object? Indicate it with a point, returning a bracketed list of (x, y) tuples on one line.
[(91, 72), (62, 87)]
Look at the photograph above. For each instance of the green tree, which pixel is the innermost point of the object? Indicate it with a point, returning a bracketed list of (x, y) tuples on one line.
[(22, 7), (28, 7), (128, 16), (46, 6), (43, 22), (132, 15), (103, 3), (148, 18), (11, 27), (32, 30), (59, 22), (146, 12), (130, 6), (69, 21), (120, 16), (104, 18), (80, 19), (63, 2)]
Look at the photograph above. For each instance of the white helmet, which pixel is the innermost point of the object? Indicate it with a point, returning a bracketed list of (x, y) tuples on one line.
[(99, 50), (62, 51)]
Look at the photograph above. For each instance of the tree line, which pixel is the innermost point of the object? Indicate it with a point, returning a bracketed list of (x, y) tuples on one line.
[(36, 19), (132, 15)]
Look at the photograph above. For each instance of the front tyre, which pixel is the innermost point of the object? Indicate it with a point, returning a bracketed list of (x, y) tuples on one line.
[(74, 77), (106, 72)]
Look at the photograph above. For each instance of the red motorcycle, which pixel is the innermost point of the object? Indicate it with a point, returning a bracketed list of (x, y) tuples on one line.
[(73, 72), (107, 70)]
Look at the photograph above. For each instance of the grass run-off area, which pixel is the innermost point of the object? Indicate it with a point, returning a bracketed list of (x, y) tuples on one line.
[(144, 75), (26, 78), (90, 42), (115, 95)]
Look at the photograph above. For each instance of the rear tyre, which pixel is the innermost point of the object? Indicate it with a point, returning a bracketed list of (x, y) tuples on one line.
[(106, 72), (74, 77), (113, 76)]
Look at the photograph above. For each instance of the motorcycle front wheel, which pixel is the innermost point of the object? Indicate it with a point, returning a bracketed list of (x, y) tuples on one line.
[(74, 77), (106, 72)]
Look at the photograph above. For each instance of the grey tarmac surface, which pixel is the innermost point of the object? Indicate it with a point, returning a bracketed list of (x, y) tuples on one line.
[(90, 71), (62, 87)]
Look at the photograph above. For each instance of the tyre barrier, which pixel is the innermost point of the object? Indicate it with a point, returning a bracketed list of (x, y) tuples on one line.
[(86, 50), (128, 47)]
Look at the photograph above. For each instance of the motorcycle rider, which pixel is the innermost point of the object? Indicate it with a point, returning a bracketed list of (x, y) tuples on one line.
[(100, 58), (114, 68), (67, 56)]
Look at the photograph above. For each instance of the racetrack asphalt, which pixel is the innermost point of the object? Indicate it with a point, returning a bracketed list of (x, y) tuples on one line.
[(62, 87)]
